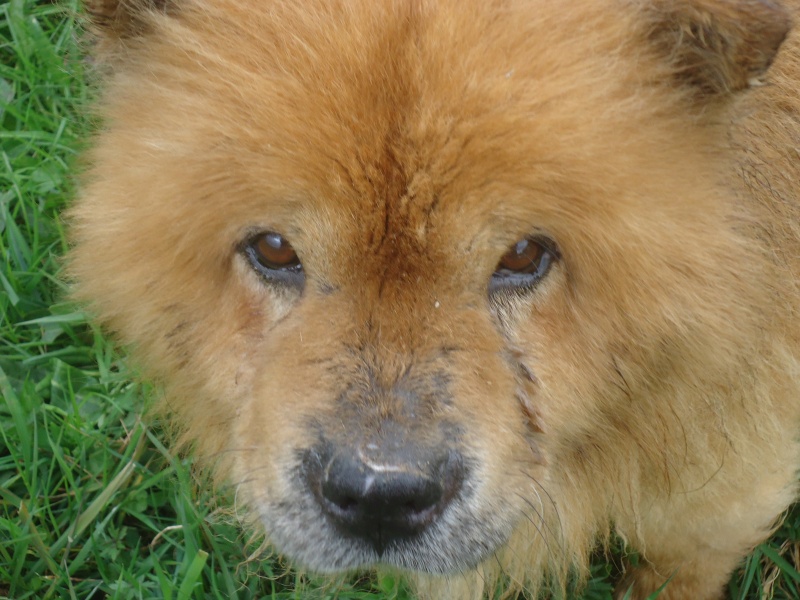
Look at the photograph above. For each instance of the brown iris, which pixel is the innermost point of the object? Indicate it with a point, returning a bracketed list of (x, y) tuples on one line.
[(272, 251), (524, 257), (525, 263)]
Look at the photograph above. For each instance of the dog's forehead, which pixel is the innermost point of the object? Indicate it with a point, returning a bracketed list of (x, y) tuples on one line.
[(370, 96), (402, 121), (395, 119)]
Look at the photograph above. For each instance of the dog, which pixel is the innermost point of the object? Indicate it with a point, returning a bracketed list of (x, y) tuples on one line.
[(462, 288)]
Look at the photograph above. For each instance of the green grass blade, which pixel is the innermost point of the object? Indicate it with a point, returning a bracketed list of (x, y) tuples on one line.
[(192, 576)]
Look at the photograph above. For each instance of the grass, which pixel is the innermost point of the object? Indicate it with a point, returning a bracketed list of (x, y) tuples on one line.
[(92, 505)]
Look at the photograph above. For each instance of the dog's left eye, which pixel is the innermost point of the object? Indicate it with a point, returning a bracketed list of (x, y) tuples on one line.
[(525, 263), (273, 257)]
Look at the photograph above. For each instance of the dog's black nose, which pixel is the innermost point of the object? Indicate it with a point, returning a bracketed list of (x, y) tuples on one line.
[(383, 496)]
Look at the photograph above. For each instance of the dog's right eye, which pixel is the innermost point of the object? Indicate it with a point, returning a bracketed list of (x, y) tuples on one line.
[(272, 251), (524, 265), (273, 257)]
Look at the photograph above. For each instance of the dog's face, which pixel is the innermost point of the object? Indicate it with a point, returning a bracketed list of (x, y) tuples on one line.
[(400, 266)]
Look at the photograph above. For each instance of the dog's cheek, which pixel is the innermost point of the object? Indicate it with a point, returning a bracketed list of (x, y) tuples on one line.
[(284, 383), (503, 436), (209, 345)]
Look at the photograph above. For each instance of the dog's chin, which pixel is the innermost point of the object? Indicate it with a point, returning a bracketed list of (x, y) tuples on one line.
[(458, 541)]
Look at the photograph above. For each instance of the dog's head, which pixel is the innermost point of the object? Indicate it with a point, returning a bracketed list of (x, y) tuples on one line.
[(411, 272)]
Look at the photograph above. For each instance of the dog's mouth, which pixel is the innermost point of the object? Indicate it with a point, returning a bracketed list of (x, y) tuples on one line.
[(456, 541)]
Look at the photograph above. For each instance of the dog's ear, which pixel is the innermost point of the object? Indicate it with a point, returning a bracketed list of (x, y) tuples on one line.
[(717, 47), (115, 21)]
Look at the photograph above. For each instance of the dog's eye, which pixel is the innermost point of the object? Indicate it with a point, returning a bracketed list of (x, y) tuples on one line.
[(523, 257), (273, 257), (272, 251), (525, 263)]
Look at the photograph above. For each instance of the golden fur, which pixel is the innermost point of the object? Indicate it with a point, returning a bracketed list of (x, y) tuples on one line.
[(648, 385)]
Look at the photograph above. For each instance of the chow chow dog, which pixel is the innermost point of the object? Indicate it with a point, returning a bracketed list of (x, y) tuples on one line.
[(462, 288)]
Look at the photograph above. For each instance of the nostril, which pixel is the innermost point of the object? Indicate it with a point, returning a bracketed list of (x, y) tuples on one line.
[(416, 506), (339, 493), (344, 503), (420, 495)]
